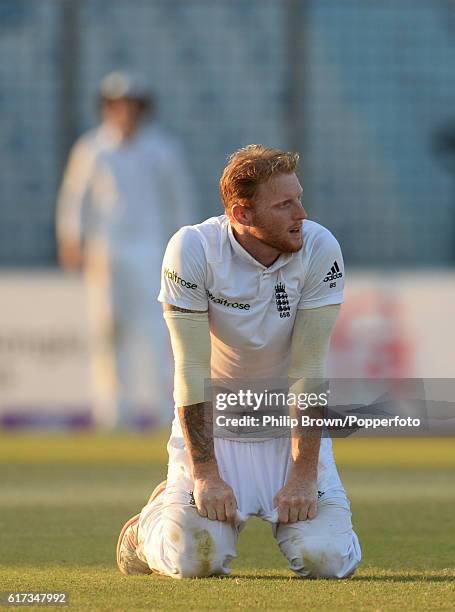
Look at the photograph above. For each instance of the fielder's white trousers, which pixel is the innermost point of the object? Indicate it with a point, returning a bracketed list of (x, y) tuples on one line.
[(129, 344), (176, 541)]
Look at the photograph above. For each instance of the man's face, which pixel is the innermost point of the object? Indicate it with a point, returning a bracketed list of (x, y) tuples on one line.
[(278, 213), (124, 113)]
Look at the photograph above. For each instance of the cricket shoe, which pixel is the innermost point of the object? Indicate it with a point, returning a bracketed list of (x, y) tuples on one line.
[(127, 560)]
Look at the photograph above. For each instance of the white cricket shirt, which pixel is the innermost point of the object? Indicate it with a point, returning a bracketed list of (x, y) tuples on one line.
[(125, 194), (251, 307)]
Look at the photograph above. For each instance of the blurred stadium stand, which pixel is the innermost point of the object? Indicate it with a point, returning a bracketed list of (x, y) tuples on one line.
[(361, 89)]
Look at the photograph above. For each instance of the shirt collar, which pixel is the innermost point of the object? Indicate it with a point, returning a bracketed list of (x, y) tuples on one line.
[(110, 135), (282, 260), (114, 139)]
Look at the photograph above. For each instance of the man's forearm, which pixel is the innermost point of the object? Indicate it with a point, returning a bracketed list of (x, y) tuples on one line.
[(213, 497), (306, 442), (197, 427), (305, 456), (310, 342)]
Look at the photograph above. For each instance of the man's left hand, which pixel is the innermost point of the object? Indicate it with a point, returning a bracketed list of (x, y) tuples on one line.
[(297, 500)]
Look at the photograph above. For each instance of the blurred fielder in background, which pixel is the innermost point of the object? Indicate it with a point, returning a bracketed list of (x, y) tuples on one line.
[(251, 295), (125, 190)]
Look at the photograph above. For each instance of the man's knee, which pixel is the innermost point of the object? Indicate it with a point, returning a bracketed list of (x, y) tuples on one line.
[(318, 557), (201, 555), (197, 547), (325, 558)]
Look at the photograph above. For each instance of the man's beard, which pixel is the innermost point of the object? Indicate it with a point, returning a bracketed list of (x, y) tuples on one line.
[(280, 242)]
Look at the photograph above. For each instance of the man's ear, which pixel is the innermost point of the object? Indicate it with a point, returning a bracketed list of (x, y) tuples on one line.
[(242, 214)]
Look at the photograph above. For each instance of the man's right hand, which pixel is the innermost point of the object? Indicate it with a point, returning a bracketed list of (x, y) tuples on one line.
[(70, 254), (214, 498)]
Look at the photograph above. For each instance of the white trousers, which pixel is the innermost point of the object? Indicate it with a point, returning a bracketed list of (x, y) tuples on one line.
[(131, 359), (176, 541)]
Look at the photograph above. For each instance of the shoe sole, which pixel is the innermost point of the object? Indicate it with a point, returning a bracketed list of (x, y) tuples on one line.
[(131, 521)]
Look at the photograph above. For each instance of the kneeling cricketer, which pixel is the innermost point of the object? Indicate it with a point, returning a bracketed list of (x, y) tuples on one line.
[(255, 294)]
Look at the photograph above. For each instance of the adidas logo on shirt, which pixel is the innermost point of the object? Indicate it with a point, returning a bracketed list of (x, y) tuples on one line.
[(333, 273)]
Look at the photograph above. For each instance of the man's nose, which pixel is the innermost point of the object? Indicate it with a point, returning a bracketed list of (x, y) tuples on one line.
[(301, 212)]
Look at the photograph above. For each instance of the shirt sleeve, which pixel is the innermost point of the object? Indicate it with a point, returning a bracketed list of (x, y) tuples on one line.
[(324, 278), (73, 197), (183, 273)]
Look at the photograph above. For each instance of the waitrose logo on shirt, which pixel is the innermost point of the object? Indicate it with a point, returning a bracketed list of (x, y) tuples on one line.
[(175, 278), (224, 302)]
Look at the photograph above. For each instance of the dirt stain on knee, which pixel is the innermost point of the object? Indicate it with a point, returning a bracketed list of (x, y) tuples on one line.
[(174, 536), (319, 564), (205, 547)]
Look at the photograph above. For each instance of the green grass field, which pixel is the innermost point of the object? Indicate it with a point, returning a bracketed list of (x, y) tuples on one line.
[(64, 499)]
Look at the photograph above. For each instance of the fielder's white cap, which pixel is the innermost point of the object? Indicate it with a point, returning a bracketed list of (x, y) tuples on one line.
[(117, 85)]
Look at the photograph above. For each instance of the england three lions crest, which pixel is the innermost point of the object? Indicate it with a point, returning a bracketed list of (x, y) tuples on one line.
[(282, 301)]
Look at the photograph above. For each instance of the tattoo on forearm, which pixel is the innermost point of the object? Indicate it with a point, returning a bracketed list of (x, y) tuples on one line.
[(197, 426), (171, 307)]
